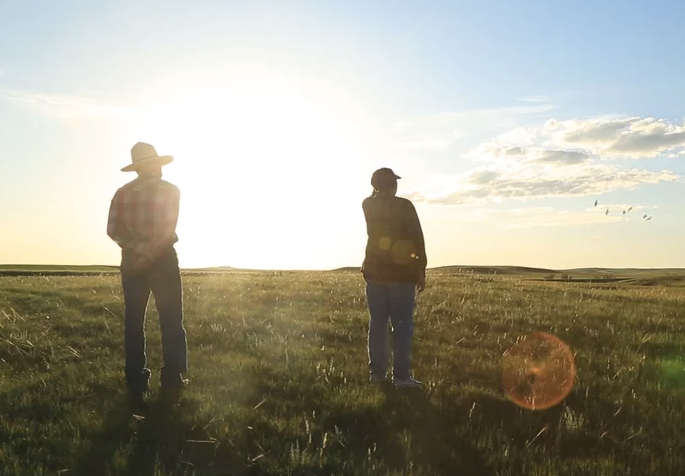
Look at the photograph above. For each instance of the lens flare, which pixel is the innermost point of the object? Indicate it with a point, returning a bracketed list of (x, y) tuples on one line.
[(402, 251), (385, 243), (538, 372)]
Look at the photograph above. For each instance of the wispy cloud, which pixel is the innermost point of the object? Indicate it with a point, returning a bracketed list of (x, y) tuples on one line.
[(608, 137), (525, 182), (538, 162), (632, 137), (66, 106)]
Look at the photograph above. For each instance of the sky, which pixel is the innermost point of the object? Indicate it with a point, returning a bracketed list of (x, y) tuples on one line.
[(506, 121)]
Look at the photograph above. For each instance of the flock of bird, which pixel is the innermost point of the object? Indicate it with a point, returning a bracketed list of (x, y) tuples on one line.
[(644, 217)]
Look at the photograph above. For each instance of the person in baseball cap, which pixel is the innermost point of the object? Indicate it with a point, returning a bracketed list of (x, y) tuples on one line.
[(384, 179), (394, 269)]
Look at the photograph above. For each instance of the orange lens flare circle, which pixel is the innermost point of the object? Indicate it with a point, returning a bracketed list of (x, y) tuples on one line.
[(538, 372)]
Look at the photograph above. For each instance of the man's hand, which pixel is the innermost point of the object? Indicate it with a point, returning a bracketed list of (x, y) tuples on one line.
[(421, 283), (137, 264), (141, 263)]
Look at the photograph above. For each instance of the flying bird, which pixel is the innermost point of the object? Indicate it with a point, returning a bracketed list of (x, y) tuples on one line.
[(607, 212), (630, 208), (644, 216), (649, 218), (596, 202), (624, 212)]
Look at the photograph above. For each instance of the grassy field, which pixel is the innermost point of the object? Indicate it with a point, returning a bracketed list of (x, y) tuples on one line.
[(279, 386)]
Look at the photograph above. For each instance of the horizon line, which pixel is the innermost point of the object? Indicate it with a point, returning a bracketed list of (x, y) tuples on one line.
[(10, 266)]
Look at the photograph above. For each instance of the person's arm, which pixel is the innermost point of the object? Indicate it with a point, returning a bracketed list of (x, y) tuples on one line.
[(418, 238), (366, 220), (117, 232), (164, 210), (419, 241), (114, 229)]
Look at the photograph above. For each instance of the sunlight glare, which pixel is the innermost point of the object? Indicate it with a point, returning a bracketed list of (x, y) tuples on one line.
[(259, 149)]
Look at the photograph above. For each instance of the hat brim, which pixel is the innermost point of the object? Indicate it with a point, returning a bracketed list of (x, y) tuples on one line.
[(161, 160)]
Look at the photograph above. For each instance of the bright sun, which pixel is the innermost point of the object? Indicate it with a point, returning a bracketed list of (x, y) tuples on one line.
[(256, 154)]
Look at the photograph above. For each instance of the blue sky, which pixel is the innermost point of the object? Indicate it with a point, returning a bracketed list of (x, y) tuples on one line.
[(507, 121)]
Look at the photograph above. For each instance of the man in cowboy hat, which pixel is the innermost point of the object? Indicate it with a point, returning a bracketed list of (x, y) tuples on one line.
[(142, 220)]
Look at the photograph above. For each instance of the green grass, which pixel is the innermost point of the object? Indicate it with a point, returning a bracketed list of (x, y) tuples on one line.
[(48, 269), (279, 380)]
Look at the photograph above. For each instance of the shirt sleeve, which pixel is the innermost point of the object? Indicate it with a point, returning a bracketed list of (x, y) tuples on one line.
[(366, 220), (418, 238), (164, 220), (114, 229)]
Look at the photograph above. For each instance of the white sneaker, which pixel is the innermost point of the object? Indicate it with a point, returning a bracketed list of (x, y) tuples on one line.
[(375, 379), (410, 382)]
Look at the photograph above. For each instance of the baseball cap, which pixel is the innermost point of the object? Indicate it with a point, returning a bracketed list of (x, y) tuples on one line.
[(383, 177)]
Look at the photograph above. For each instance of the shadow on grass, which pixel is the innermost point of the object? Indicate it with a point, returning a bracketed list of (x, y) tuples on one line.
[(162, 437), (409, 429), (435, 443)]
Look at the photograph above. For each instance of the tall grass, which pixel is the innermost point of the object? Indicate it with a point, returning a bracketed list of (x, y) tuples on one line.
[(279, 380)]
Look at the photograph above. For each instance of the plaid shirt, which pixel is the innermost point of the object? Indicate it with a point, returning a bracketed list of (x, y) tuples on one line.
[(143, 216)]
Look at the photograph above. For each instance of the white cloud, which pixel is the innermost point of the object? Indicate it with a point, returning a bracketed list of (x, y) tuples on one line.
[(560, 159), (607, 137), (516, 154), (632, 137), (66, 106), (532, 181)]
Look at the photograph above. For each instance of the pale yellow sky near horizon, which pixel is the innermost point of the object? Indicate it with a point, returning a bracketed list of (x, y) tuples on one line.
[(272, 176)]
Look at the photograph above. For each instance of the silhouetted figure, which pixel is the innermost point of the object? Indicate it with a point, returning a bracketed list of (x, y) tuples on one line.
[(394, 268), (142, 221)]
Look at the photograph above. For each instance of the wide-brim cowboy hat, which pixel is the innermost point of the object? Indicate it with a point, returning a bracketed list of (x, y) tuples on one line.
[(144, 154)]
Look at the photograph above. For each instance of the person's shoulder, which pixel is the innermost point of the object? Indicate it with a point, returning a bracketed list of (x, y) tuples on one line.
[(368, 201), (168, 187), (404, 202), (124, 188)]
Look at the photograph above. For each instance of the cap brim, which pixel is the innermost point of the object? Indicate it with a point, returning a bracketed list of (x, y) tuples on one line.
[(161, 160)]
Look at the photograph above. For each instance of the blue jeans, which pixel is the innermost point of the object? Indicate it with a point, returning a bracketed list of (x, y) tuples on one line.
[(163, 280), (394, 302)]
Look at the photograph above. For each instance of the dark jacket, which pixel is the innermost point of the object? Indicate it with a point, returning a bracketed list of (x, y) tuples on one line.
[(395, 249)]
